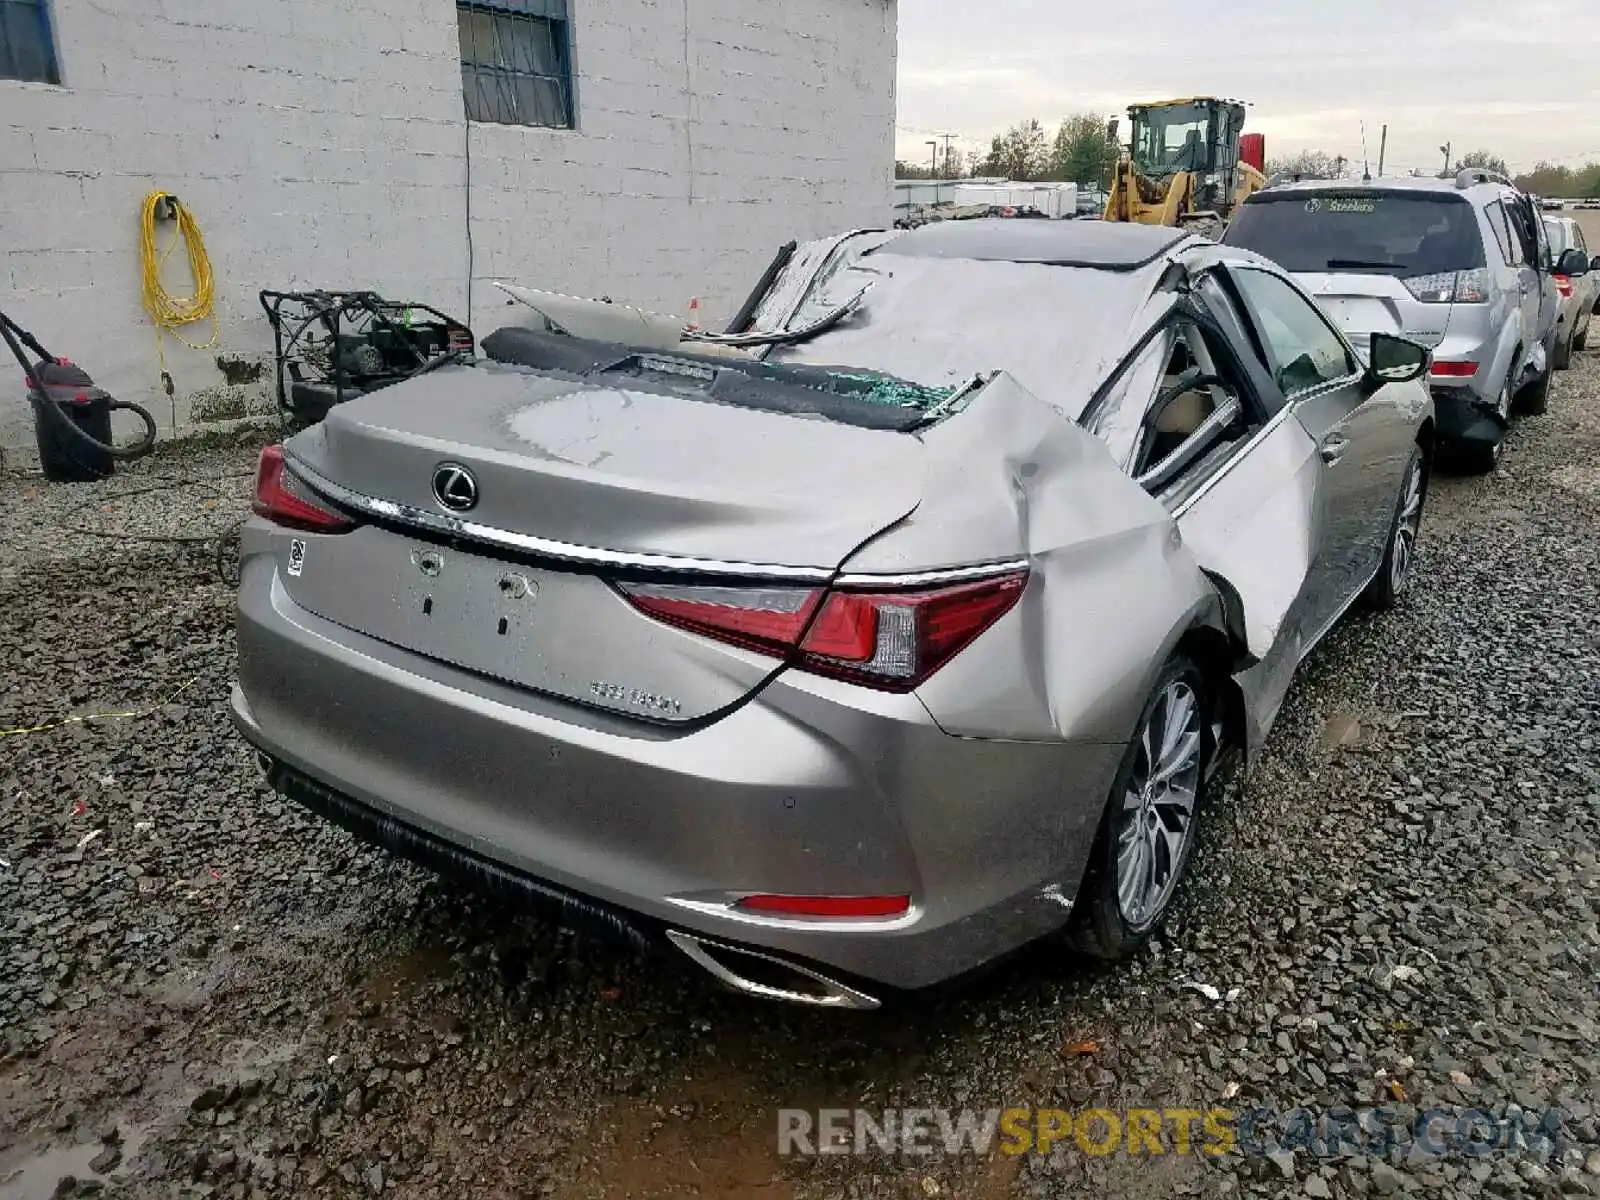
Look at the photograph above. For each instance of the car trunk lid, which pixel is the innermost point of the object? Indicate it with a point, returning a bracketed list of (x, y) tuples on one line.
[(1362, 304), (578, 484)]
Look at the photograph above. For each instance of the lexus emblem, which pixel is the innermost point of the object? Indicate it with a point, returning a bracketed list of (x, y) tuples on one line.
[(454, 487)]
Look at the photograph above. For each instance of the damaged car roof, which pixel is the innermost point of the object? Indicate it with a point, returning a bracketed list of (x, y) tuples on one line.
[(1100, 245)]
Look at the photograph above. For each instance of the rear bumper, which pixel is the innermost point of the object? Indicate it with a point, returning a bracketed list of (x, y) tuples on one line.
[(1465, 419), (808, 788)]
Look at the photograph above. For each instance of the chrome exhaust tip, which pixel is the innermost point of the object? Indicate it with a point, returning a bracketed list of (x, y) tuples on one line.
[(733, 967)]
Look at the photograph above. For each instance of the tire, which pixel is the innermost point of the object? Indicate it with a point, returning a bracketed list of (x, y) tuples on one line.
[(1399, 555), (1535, 398), (1479, 459), (1105, 925), (1582, 339), (1561, 357)]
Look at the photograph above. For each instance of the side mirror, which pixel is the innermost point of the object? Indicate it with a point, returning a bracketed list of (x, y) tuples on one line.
[(1393, 359), (1572, 262), (1594, 263)]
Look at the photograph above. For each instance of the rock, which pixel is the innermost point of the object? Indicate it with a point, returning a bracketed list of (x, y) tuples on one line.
[(208, 1099), (1385, 1179), (374, 1179), (106, 1160), (1283, 1160), (1317, 1186)]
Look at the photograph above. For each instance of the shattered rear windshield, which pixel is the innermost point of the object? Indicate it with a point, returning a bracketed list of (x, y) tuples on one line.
[(850, 395)]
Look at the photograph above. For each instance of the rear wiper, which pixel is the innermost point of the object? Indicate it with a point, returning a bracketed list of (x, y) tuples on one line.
[(1356, 264), (784, 337)]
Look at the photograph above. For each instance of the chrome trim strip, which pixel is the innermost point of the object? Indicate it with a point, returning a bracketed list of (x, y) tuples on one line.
[(1278, 418), (934, 578), (569, 552), (721, 907), (836, 994)]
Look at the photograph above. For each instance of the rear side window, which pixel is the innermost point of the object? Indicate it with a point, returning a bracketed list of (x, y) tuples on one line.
[(1510, 247), (1393, 233)]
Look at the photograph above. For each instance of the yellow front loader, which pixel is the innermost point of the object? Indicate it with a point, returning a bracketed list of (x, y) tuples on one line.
[(1188, 162)]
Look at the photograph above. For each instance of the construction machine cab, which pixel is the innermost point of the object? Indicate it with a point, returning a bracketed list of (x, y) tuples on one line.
[(1185, 159), (1198, 135)]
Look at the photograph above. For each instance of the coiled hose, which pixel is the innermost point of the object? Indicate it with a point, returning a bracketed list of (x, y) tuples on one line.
[(171, 313)]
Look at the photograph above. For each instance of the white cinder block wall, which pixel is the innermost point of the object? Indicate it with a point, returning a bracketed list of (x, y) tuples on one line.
[(324, 145)]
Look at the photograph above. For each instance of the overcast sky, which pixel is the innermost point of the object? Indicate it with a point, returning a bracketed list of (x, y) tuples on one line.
[(1518, 77)]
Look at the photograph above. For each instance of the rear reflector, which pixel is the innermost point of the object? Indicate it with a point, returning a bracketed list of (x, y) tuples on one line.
[(1455, 370), (283, 501), (891, 640), (828, 906)]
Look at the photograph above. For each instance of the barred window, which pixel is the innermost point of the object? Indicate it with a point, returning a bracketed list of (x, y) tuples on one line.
[(516, 61), (27, 49)]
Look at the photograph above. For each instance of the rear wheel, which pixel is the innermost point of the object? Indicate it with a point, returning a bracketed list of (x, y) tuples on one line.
[(1387, 586), (1582, 340), (1535, 398), (1562, 356), (1147, 833), (1483, 457)]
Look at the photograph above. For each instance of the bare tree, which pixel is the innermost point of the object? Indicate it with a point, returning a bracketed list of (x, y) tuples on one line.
[(1021, 152), (1308, 164), (1484, 161)]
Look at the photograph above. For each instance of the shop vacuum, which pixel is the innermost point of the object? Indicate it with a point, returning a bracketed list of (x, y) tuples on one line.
[(71, 416)]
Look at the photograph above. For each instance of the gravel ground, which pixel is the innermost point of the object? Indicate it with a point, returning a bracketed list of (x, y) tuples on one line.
[(204, 993)]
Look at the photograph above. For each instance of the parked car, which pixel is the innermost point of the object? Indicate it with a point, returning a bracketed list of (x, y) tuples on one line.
[(908, 636), (1577, 278), (1461, 266)]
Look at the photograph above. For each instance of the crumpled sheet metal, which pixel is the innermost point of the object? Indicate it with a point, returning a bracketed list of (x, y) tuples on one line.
[(1116, 580)]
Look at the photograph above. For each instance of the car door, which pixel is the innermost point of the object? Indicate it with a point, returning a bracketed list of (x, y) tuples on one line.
[(1361, 438), (1539, 297), (1588, 285)]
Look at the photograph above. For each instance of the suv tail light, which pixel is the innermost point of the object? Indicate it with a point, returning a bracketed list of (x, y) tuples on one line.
[(281, 499), (1454, 370), (891, 640), (1563, 285), (1450, 287)]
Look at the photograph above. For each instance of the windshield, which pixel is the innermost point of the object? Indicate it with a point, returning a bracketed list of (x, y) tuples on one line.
[(1381, 232), (1167, 140), (940, 322)]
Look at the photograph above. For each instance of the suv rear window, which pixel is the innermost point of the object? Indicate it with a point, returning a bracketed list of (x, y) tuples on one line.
[(1392, 233)]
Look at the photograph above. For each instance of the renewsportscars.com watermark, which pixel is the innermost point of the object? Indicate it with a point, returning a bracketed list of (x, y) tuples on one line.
[(1150, 1131)]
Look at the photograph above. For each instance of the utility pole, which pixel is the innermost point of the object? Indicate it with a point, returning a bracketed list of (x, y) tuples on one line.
[(1383, 144), (1446, 150), (933, 171), (948, 137)]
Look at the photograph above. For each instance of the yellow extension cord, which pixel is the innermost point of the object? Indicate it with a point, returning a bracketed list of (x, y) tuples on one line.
[(170, 313)]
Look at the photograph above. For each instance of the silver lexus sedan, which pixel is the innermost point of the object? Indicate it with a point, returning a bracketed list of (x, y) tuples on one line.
[(900, 625)]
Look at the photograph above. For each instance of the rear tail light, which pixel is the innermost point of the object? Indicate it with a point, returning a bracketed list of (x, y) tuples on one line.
[(1450, 287), (1563, 285), (1454, 370), (827, 906), (283, 500), (891, 639)]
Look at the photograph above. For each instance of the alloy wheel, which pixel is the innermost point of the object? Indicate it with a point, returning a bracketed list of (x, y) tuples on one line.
[(1156, 823), (1405, 530)]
